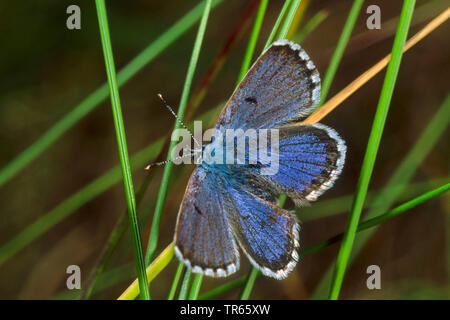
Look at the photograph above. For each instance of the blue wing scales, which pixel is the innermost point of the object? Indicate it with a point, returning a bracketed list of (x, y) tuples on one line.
[(311, 157), (283, 85), (267, 234), (203, 240)]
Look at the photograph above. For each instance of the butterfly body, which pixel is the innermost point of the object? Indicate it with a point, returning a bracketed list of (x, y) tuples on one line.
[(231, 197)]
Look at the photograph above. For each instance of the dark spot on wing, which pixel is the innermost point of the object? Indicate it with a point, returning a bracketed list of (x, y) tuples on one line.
[(197, 209), (251, 100)]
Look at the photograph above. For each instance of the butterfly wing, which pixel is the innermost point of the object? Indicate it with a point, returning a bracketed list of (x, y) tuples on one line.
[(310, 159), (268, 234), (283, 85), (203, 240)]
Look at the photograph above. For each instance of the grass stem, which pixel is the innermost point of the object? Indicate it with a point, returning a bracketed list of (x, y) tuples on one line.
[(340, 48), (122, 147), (154, 232), (253, 39), (372, 148)]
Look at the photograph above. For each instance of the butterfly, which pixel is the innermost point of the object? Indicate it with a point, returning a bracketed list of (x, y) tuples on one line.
[(231, 205)]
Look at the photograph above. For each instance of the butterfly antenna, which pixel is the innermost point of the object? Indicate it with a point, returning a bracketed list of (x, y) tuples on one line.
[(178, 119), (148, 167)]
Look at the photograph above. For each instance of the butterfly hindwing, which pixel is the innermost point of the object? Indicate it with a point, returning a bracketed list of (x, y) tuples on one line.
[(267, 234), (310, 159), (203, 240), (283, 85)]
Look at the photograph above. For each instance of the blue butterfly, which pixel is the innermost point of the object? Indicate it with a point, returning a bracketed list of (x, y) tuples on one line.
[(226, 205)]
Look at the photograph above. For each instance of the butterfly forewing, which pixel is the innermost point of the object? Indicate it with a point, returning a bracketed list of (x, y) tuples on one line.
[(283, 85)]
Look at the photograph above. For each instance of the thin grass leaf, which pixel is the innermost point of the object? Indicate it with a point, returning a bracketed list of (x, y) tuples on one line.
[(277, 24), (310, 26), (122, 147), (253, 38), (218, 62), (185, 285), (154, 232), (340, 48), (249, 283), (195, 288), (370, 223), (340, 205), (289, 18), (176, 280), (404, 207), (100, 94), (223, 288), (298, 18), (372, 148)]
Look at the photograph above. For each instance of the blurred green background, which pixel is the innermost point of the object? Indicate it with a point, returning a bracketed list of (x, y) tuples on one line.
[(47, 70)]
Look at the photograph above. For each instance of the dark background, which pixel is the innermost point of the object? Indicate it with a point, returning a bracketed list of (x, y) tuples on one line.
[(47, 70)]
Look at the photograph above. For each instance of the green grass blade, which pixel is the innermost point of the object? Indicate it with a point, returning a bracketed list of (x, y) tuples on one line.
[(105, 256), (289, 19), (404, 207), (370, 223), (176, 280), (372, 148), (340, 205), (310, 26), (340, 48), (185, 285), (253, 38), (249, 283), (122, 147), (223, 288), (108, 279), (196, 284), (398, 182), (154, 232), (100, 94), (277, 24), (112, 242)]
